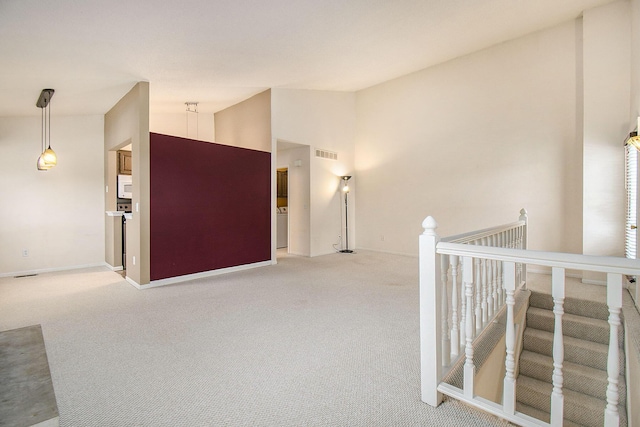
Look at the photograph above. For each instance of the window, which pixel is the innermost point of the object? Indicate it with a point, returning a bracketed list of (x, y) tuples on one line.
[(631, 185)]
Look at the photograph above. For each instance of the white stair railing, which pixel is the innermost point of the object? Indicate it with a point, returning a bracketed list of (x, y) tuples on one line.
[(492, 266)]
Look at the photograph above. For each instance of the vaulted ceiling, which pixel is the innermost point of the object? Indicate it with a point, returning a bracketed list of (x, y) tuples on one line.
[(219, 52)]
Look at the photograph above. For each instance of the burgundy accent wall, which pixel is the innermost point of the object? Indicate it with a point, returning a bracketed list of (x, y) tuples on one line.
[(210, 206)]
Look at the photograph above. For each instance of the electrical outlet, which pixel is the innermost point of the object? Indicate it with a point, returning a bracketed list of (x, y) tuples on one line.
[(25, 252), (134, 260)]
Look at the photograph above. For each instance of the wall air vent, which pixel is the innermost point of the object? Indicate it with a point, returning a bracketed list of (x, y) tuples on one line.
[(324, 154)]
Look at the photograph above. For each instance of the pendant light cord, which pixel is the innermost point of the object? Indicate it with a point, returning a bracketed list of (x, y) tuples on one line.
[(43, 135), (49, 120)]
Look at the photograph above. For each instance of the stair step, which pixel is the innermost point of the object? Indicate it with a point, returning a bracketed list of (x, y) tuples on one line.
[(541, 415), (592, 309), (578, 408), (577, 351), (596, 330), (579, 378)]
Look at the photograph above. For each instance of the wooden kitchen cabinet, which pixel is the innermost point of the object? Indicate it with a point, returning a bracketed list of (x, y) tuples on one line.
[(124, 162), (282, 184)]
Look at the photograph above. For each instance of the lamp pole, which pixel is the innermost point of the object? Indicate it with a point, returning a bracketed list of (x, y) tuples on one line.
[(346, 215)]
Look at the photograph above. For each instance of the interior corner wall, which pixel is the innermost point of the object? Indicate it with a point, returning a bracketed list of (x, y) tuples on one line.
[(128, 123), (606, 70), (246, 124), (321, 120), (471, 142), (198, 126), (57, 216), (210, 206)]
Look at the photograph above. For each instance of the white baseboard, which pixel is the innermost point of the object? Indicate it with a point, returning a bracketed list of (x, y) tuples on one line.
[(204, 274), (52, 270), (387, 252), (112, 268), (594, 282), (133, 282)]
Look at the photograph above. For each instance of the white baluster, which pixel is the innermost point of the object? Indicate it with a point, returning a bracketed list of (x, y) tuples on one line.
[(494, 278), (463, 311), (557, 397), (446, 344), (489, 271), (478, 293), (469, 367), (484, 306), (455, 333), (501, 294), (614, 301), (509, 387)]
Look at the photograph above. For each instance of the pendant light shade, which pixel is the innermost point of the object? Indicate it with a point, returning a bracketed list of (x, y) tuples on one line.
[(48, 158), (42, 166)]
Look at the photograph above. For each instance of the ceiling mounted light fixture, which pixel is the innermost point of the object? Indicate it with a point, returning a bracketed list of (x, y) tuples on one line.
[(48, 158)]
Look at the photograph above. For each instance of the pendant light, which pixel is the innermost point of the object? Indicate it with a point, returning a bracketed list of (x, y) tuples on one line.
[(48, 158)]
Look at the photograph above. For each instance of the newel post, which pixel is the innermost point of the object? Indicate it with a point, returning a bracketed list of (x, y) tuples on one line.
[(524, 217), (430, 329), (524, 243)]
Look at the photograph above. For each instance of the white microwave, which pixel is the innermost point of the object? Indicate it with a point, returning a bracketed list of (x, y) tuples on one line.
[(125, 186)]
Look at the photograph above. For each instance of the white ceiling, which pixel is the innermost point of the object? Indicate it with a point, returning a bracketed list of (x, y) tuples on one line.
[(219, 52)]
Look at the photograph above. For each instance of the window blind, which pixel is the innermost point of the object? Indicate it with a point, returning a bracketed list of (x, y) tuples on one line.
[(631, 184)]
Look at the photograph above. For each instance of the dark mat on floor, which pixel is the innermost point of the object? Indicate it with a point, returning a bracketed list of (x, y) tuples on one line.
[(26, 390)]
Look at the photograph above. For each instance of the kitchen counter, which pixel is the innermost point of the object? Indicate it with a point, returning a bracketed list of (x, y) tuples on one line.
[(127, 215)]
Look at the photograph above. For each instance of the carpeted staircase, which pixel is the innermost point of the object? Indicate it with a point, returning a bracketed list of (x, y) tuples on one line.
[(586, 344)]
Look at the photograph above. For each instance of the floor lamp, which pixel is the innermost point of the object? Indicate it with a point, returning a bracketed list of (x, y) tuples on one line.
[(345, 190)]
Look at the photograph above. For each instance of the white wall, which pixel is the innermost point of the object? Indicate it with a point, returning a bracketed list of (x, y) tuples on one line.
[(57, 215), (246, 124), (326, 120), (127, 122), (606, 124), (200, 128), (472, 141)]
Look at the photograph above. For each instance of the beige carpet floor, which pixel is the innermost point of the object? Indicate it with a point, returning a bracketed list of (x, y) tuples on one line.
[(327, 341)]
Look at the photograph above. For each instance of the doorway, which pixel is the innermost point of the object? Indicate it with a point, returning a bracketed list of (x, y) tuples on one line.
[(282, 206), (295, 159)]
